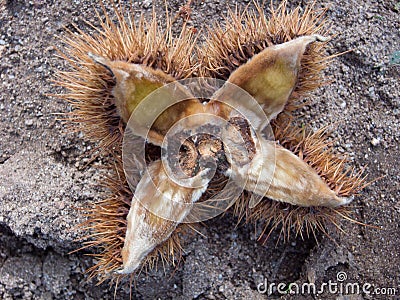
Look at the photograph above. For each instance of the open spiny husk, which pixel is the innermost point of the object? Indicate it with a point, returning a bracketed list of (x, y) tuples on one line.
[(94, 113)]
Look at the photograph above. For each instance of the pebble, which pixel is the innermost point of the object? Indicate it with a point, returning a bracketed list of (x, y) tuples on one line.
[(146, 3), (375, 141), (29, 122)]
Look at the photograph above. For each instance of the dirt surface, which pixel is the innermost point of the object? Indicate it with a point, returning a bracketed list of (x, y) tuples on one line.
[(42, 181)]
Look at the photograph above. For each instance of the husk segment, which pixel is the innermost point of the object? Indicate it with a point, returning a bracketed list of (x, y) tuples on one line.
[(315, 149), (88, 86), (249, 32), (106, 220)]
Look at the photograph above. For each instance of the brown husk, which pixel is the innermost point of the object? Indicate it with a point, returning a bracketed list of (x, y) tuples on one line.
[(139, 41)]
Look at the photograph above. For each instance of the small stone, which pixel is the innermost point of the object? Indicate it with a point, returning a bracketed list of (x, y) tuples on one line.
[(146, 3), (29, 122), (311, 275), (375, 141), (343, 104), (2, 42), (369, 16), (397, 206)]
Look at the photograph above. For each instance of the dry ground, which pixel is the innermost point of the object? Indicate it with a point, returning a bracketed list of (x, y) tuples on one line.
[(41, 179)]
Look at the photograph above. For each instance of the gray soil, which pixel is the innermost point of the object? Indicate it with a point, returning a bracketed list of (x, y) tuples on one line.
[(43, 181)]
